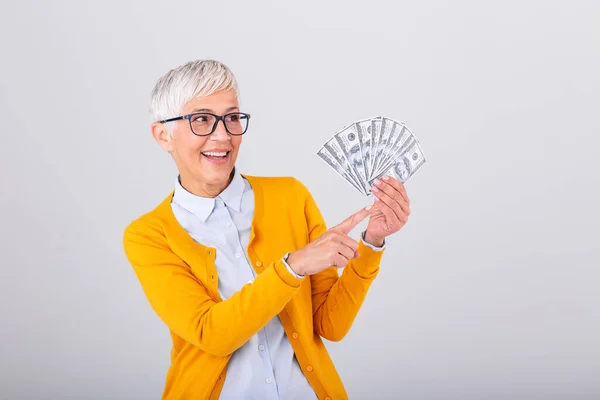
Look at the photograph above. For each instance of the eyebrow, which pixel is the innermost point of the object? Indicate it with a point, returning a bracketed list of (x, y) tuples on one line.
[(210, 111)]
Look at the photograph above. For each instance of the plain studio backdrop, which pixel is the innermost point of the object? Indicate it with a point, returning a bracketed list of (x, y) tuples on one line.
[(490, 292)]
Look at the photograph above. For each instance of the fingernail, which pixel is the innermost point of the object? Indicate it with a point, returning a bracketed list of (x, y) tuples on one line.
[(376, 198), (385, 178), (368, 207), (374, 189), (377, 182)]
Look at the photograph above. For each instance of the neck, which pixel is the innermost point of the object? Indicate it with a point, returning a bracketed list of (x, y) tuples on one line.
[(203, 189)]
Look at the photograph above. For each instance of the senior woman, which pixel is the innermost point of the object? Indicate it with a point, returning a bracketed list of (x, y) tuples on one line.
[(242, 269)]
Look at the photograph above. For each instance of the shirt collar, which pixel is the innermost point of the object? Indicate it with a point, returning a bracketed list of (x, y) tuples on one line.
[(202, 207), (232, 195)]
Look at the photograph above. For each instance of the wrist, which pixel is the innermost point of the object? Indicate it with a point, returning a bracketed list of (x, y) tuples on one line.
[(292, 261), (373, 240)]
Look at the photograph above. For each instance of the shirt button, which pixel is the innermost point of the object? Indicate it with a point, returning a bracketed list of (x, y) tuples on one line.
[(228, 226), (238, 255), (309, 368), (268, 380), (295, 335), (258, 263), (261, 347)]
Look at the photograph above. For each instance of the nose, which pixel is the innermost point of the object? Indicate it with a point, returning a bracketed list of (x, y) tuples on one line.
[(220, 132)]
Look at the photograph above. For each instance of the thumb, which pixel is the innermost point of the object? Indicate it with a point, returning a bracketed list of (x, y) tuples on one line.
[(349, 223)]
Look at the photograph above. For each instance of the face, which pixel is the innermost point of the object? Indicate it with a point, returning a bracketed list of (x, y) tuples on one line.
[(205, 163)]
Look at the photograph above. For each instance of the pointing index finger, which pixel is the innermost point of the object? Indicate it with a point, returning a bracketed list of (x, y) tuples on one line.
[(349, 223)]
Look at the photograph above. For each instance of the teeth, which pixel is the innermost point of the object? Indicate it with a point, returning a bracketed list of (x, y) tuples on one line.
[(215, 154)]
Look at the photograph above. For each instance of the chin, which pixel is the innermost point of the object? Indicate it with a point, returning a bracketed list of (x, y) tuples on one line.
[(215, 170), (217, 177)]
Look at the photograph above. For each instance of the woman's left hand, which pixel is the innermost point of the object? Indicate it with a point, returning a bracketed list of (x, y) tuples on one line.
[(390, 210)]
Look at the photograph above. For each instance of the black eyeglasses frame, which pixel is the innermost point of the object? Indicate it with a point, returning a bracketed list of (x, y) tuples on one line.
[(217, 119)]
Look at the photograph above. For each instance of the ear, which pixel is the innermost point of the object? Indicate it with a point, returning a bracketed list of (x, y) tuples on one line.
[(162, 137)]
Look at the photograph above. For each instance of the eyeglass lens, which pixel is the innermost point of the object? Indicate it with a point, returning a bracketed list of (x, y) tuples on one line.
[(235, 123)]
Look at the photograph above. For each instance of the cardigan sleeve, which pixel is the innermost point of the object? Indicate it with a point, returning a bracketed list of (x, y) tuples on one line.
[(336, 300), (184, 304)]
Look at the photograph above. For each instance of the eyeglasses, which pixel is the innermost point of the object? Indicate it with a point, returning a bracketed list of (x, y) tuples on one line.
[(204, 124)]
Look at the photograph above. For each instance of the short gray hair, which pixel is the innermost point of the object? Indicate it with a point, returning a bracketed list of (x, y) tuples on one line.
[(187, 82)]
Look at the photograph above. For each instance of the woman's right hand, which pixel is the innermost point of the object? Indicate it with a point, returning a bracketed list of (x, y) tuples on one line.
[(333, 248)]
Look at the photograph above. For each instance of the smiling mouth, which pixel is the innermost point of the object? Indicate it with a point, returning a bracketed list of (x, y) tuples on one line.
[(215, 155)]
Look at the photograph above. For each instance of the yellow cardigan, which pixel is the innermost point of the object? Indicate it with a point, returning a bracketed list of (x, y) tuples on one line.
[(179, 279)]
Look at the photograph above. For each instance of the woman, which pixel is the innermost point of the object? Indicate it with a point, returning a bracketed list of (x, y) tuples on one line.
[(242, 269)]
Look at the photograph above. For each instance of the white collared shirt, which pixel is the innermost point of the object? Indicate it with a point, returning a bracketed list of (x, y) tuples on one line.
[(265, 367)]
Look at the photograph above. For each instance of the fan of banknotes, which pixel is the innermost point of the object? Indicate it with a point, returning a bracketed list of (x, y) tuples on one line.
[(369, 148)]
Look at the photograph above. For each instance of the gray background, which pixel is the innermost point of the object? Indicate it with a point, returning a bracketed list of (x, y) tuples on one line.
[(490, 291)]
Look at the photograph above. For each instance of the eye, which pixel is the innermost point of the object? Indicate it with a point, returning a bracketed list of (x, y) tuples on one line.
[(233, 118), (200, 118)]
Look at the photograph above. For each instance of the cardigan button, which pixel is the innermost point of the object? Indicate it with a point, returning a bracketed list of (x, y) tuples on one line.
[(309, 368), (295, 335), (327, 398), (258, 264)]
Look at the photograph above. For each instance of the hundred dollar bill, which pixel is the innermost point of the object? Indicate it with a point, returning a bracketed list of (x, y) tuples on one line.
[(406, 161), (407, 164), (364, 131), (349, 142), (334, 148), (396, 145), (376, 151), (388, 127), (330, 160)]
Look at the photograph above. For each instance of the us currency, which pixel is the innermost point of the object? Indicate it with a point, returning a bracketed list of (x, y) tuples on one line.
[(388, 127), (376, 152), (364, 130), (408, 164), (398, 157), (336, 151), (349, 142), (396, 144), (330, 160)]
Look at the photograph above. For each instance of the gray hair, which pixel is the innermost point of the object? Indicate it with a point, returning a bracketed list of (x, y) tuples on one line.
[(187, 82)]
